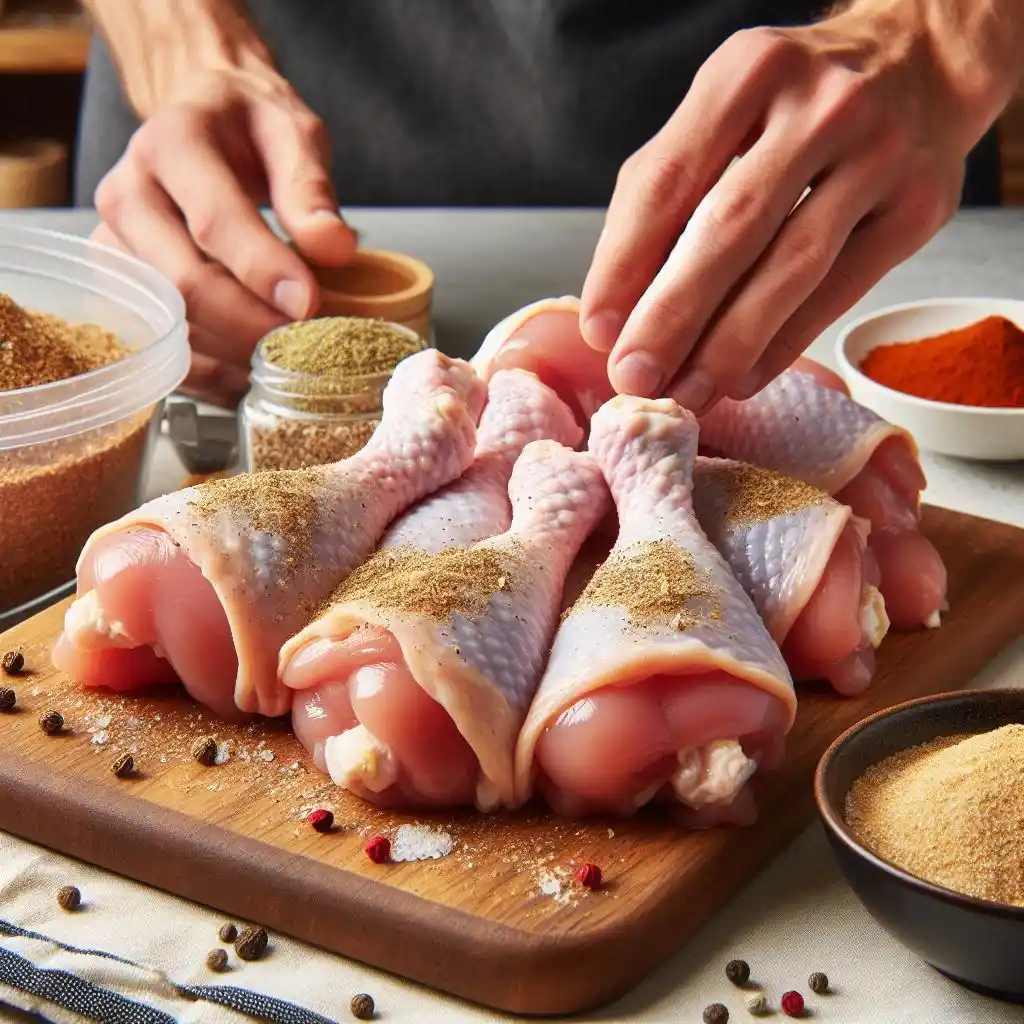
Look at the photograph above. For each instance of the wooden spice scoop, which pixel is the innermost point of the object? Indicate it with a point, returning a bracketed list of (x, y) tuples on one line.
[(378, 283)]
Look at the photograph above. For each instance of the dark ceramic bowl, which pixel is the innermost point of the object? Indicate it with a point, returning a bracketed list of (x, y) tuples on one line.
[(974, 942)]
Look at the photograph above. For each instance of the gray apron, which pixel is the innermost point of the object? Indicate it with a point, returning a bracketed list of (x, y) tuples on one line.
[(470, 102)]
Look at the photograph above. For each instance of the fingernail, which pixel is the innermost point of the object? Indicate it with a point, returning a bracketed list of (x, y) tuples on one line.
[(638, 375), (694, 391), (602, 330), (748, 384), (292, 299), (327, 213)]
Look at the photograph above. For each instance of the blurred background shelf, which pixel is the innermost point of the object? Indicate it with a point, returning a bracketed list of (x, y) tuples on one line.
[(43, 37)]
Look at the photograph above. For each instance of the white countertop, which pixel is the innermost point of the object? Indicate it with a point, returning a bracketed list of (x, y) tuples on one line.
[(796, 917)]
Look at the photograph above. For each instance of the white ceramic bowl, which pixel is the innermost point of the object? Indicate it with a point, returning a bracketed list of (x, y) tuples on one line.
[(961, 430)]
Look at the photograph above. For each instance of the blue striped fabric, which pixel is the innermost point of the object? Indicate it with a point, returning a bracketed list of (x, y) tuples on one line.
[(101, 1004)]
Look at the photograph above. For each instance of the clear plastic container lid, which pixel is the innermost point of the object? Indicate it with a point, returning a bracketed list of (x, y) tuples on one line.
[(85, 283)]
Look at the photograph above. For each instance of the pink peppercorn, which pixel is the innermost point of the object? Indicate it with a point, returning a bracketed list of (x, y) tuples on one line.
[(322, 820), (378, 849), (589, 875), (793, 1004)]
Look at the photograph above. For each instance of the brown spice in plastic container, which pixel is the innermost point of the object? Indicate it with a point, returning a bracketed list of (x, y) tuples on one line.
[(53, 495)]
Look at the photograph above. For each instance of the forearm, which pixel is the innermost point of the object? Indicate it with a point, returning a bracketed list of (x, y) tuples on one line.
[(158, 44), (976, 47)]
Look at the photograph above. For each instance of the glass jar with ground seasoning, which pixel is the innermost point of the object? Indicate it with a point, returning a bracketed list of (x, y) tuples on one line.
[(317, 387)]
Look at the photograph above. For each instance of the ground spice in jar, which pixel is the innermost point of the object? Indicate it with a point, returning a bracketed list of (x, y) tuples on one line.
[(317, 385), (950, 812), (54, 494), (980, 365)]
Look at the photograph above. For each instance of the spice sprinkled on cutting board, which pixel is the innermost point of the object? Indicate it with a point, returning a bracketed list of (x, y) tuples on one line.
[(36, 348), (950, 812), (654, 581), (420, 842), (341, 346), (456, 580), (756, 495)]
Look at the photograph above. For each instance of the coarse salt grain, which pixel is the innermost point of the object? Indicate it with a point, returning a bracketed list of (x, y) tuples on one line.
[(551, 885), (420, 842), (223, 754), (267, 755)]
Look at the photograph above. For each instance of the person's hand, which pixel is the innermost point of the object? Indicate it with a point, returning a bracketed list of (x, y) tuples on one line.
[(713, 274), (185, 196)]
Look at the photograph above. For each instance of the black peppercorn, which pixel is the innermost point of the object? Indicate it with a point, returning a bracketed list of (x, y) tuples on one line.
[(13, 662), (251, 943), (716, 1013), (8, 698), (51, 723), (228, 932), (738, 971), (818, 983), (217, 960), (69, 897), (204, 750), (362, 1006), (123, 766)]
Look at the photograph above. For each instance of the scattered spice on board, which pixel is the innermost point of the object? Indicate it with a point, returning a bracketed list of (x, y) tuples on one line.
[(228, 932), (204, 750), (716, 1013), (420, 842), (8, 698), (69, 897), (950, 812), (13, 663), (654, 581), (738, 971), (378, 849), (217, 960), (54, 494), (321, 819), (51, 723), (756, 1003), (123, 766), (251, 943), (818, 983), (978, 365), (362, 1006), (329, 403), (589, 876), (792, 1004)]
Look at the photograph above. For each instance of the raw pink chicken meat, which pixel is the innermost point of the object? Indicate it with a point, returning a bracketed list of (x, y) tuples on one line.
[(438, 691), (520, 409), (804, 424), (203, 587), (663, 681), (802, 558)]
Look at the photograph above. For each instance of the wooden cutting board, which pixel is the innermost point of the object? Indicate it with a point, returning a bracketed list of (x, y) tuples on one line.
[(499, 920)]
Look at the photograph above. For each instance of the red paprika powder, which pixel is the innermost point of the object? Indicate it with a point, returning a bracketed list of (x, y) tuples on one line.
[(980, 365)]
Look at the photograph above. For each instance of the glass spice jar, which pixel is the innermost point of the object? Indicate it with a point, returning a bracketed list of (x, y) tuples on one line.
[(292, 419)]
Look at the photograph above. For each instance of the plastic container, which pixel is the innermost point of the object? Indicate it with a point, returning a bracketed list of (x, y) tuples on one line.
[(74, 453), (291, 420)]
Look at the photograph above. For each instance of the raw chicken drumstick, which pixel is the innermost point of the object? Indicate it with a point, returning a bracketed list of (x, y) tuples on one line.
[(469, 627), (519, 409), (206, 584), (802, 558), (662, 679), (804, 424)]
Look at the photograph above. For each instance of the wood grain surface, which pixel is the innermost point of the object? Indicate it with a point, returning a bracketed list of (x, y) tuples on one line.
[(499, 920)]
